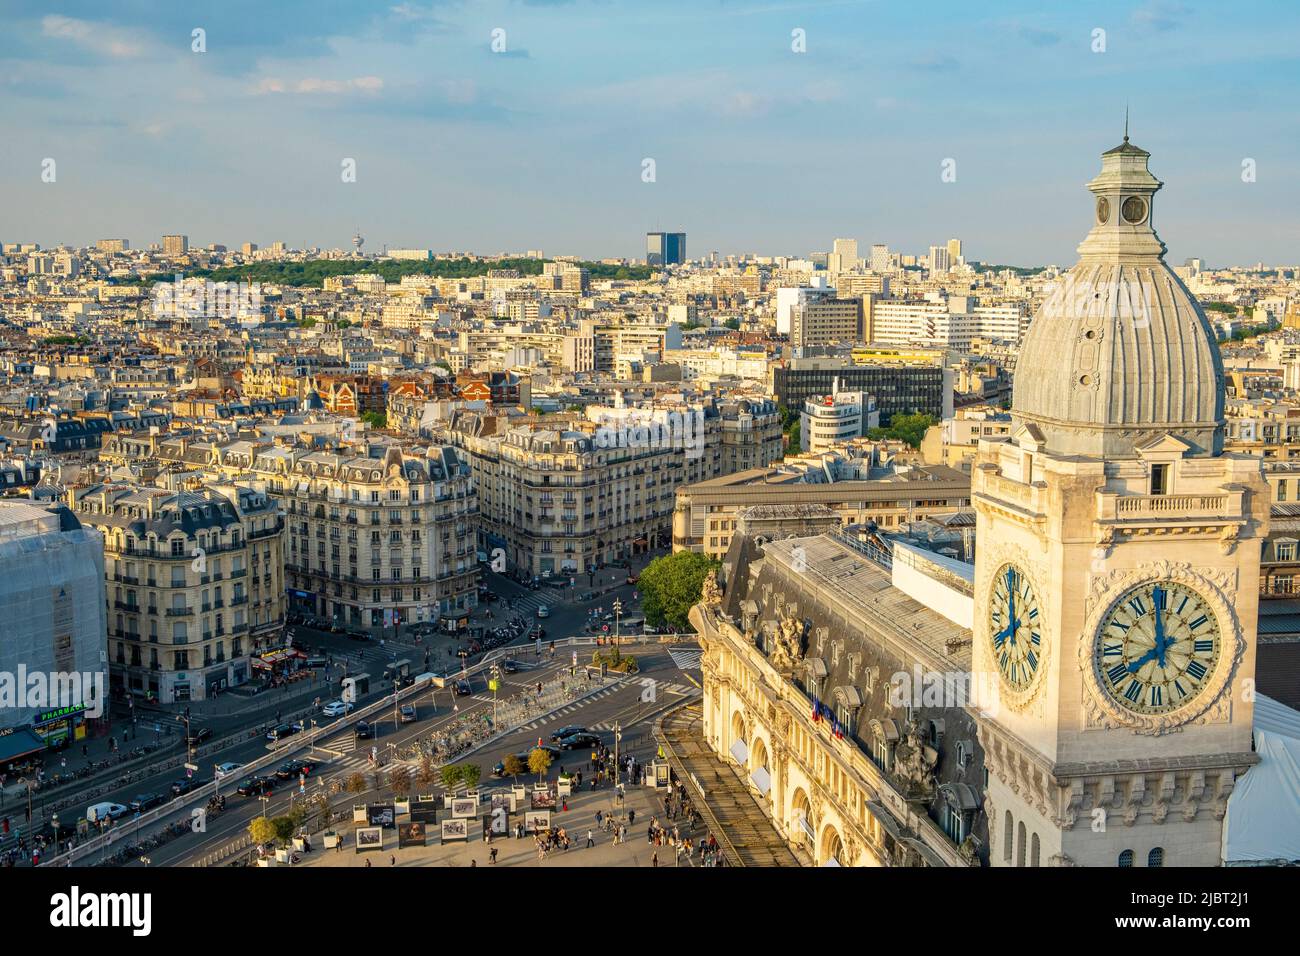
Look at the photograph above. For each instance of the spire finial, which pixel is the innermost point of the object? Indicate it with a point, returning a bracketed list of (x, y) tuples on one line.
[(1126, 122)]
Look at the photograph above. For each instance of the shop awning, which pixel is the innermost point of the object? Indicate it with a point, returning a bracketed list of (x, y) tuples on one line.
[(762, 779), (740, 751), (18, 744)]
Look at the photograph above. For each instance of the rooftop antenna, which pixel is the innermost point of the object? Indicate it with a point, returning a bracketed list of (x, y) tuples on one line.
[(1126, 122)]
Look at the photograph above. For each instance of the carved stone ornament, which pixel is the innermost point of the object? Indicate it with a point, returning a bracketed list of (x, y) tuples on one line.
[(1217, 588), (788, 645), (995, 557), (914, 763), (711, 592)]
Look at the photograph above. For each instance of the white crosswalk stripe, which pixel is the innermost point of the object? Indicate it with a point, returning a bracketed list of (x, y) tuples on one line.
[(686, 658)]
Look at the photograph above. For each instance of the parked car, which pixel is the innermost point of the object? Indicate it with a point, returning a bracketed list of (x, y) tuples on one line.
[(581, 741), (567, 732), (147, 801), (363, 731), (256, 787), (335, 708)]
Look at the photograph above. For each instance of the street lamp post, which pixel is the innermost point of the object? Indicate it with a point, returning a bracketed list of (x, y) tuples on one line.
[(618, 614)]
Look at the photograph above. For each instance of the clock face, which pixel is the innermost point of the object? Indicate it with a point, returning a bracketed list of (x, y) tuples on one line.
[(1157, 648), (1134, 210), (1014, 627), (1103, 210)]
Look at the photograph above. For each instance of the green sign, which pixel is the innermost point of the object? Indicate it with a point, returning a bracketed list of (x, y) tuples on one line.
[(59, 713)]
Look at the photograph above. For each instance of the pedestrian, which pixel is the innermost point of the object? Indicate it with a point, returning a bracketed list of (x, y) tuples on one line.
[(367, 864), (599, 818), (631, 816), (392, 860), (654, 860), (492, 857), (473, 862), (590, 842)]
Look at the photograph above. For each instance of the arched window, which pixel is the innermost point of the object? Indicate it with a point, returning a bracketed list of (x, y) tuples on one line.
[(1020, 844), (1033, 851), (1156, 857), (1126, 859), (1008, 837)]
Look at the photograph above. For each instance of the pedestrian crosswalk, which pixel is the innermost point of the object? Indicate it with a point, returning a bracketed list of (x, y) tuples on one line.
[(569, 709), (686, 658)]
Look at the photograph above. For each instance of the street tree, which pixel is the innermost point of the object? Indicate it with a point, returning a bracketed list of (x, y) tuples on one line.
[(356, 784), (539, 761), (451, 774), (399, 781), (427, 774), (470, 775), (513, 766), (260, 830)]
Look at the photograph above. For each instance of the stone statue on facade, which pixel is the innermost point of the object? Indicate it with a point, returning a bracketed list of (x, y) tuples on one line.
[(788, 643), (711, 592), (914, 763)]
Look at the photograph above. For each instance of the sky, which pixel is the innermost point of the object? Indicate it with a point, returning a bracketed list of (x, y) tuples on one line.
[(542, 142)]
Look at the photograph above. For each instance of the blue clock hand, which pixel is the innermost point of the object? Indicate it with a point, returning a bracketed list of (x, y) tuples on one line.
[(1158, 596), (1136, 665), (1013, 625)]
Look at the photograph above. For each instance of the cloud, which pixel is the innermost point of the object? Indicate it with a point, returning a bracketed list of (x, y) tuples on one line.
[(1037, 36), (1160, 16), (312, 85), (92, 36), (935, 63)]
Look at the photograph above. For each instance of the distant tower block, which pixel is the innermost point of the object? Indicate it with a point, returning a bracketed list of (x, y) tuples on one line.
[(358, 241)]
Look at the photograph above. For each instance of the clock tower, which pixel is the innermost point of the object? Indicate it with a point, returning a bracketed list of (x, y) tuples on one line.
[(1117, 574)]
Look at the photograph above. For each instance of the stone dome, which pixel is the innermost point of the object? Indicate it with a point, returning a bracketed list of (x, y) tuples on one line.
[(1120, 353)]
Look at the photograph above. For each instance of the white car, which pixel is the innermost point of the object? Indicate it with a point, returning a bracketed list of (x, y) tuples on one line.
[(105, 812), (227, 768), (335, 708), (543, 611)]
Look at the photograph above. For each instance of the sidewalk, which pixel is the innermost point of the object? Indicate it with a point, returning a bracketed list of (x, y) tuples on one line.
[(580, 817)]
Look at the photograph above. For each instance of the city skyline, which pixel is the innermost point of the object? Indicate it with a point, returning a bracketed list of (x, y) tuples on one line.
[(756, 148)]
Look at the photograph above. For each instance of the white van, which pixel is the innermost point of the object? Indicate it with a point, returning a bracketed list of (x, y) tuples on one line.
[(105, 812)]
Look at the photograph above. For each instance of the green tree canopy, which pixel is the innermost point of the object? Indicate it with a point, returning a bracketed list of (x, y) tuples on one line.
[(670, 585), (470, 775), (908, 428), (451, 776)]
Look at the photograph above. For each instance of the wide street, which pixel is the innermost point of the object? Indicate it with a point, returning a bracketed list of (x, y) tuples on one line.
[(618, 701)]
